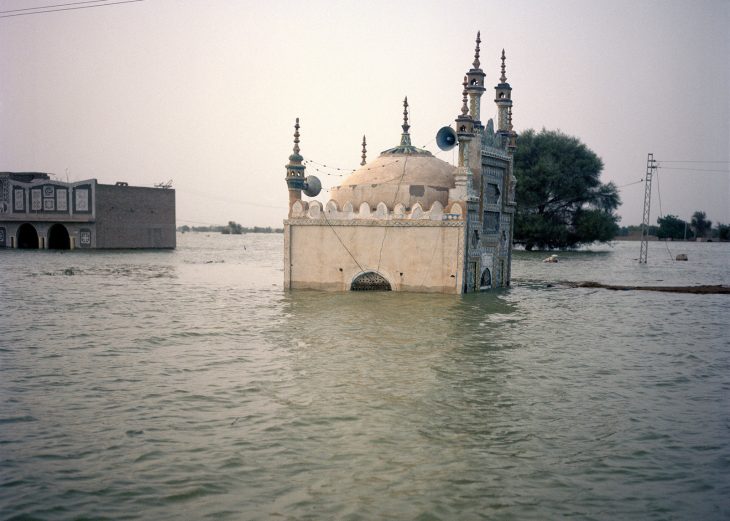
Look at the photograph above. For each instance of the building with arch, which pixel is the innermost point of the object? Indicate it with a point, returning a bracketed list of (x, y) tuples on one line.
[(37, 212), (408, 221)]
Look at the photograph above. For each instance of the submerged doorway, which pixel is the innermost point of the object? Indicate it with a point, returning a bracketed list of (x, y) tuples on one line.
[(27, 237), (370, 281), (58, 238)]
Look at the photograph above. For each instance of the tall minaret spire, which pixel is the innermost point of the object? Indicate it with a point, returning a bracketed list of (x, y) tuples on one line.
[(405, 137), (476, 64), (503, 99), (364, 151), (295, 171), (503, 77), (475, 86)]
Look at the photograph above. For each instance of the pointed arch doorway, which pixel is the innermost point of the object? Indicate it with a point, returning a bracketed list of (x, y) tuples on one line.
[(27, 237), (58, 238)]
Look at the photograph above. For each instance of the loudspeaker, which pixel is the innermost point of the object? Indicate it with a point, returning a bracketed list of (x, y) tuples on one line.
[(312, 186), (446, 138)]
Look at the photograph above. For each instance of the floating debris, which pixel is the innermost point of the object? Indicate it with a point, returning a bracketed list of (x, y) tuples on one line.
[(699, 290)]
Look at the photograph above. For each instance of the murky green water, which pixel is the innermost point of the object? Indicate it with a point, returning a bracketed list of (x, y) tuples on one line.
[(188, 385)]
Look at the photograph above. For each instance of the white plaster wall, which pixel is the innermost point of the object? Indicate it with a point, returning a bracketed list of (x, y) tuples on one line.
[(426, 257)]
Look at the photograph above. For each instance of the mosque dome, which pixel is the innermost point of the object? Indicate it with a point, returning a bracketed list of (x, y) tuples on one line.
[(403, 174)]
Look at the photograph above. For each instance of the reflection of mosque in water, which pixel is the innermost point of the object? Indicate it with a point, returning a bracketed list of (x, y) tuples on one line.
[(37, 212), (408, 221)]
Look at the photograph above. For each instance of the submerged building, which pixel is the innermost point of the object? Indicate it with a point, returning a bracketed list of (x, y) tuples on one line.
[(409, 221), (38, 212)]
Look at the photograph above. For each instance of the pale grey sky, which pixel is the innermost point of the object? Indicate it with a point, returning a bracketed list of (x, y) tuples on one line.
[(205, 92)]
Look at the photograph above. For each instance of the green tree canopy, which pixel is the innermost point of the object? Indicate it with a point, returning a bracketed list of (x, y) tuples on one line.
[(672, 227), (561, 202), (700, 224)]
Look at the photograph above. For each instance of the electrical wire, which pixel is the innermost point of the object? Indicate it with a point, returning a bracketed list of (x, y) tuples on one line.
[(661, 213), (51, 8), (693, 169)]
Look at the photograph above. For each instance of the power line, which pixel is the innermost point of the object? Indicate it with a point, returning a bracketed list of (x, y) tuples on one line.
[(676, 161), (693, 169), (629, 184), (51, 8)]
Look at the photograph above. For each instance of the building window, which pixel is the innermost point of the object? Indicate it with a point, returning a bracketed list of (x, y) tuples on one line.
[(491, 222)]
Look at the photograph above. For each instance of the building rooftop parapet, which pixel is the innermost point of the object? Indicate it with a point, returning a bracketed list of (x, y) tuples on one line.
[(314, 210)]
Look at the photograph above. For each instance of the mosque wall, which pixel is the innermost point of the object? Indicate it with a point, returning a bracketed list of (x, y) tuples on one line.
[(419, 256)]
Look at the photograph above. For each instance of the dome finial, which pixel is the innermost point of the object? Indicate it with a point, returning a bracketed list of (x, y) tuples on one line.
[(503, 78), (405, 138), (296, 137), (364, 151), (406, 126), (476, 51), (464, 106)]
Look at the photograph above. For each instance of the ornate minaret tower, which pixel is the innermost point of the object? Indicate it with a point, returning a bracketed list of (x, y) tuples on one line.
[(464, 128), (475, 87), (295, 171), (503, 99)]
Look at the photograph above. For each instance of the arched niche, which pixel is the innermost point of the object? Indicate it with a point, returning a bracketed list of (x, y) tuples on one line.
[(370, 281), (381, 211), (486, 279)]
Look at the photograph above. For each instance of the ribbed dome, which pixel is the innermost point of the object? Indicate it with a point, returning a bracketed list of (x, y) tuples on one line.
[(416, 175)]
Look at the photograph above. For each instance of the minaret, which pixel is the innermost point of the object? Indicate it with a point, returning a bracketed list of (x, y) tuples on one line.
[(295, 171), (364, 152), (503, 99), (475, 87), (464, 128)]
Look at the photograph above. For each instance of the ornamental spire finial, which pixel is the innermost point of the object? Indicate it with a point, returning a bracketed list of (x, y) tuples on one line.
[(364, 151), (296, 137), (476, 51), (503, 78), (509, 118), (405, 137), (464, 107), (405, 125)]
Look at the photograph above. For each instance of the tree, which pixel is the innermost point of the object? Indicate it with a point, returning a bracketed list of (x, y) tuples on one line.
[(700, 224), (561, 202), (723, 231), (672, 227)]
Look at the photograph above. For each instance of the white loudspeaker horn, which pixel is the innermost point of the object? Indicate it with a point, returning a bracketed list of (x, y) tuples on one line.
[(446, 138)]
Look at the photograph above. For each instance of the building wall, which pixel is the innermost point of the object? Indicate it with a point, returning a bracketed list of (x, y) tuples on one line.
[(134, 217), (417, 256)]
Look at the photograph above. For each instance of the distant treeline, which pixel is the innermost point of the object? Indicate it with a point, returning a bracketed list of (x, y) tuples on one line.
[(232, 228)]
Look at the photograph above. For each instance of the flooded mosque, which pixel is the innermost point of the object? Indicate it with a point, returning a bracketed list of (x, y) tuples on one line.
[(409, 221)]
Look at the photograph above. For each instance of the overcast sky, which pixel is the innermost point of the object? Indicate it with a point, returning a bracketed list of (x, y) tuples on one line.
[(205, 92)]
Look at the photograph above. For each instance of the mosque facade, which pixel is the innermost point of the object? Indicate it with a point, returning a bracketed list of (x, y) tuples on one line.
[(37, 212), (409, 221)]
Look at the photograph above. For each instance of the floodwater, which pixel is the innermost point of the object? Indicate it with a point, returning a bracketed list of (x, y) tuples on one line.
[(187, 384)]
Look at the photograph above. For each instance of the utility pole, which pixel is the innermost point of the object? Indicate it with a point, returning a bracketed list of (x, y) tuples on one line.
[(650, 168)]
